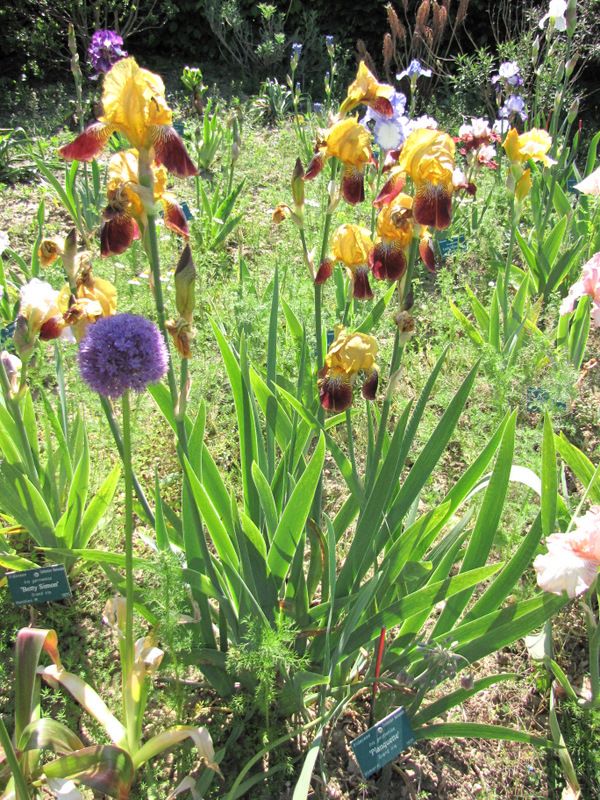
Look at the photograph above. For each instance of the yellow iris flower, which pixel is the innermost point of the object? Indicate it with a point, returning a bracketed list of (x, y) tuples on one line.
[(92, 298), (350, 142), (129, 203), (349, 354), (133, 103), (428, 158), (520, 148), (394, 235), (352, 244), (532, 145), (367, 90)]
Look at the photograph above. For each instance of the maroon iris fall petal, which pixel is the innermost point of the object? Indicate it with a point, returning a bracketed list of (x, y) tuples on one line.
[(427, 254), (317, 163), (175, 219), (391, 189), (382, 106), (52, 328), (169, 150), (353, 185), (88, 144), (387, 260), (325, 270), (116, 234), (433, 206), (369, 387), (335, 393), (361, 289)]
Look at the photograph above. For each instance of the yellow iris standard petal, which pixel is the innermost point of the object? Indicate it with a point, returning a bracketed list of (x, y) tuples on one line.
[(532, 145), (366, 89), (133, 102), (351, 244), (428, 157), (350, 142), (394, 221), (352, 353)]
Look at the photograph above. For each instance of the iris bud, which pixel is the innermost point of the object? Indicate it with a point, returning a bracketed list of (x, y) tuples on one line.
[(185, 278)]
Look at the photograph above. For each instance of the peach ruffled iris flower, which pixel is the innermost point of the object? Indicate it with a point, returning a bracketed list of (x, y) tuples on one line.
[(572, 561), (588, 285)]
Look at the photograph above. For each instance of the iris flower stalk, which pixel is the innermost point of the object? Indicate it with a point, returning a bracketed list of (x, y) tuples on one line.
[(318, 313), (404, 285)]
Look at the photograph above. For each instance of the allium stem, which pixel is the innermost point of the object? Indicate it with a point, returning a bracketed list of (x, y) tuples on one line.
[(127, 667), (112, 424)]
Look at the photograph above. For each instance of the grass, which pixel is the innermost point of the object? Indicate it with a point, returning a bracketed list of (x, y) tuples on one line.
[(266, 163)]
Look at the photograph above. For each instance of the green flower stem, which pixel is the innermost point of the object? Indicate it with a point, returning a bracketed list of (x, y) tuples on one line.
[(514, 221), (154, 258), (306, 254), (183, 379), (398, 349), (60, 377), (594, 649), (319, 332), (12, 404), (350, 433), (114, 428), (127, 667), (21, 790)]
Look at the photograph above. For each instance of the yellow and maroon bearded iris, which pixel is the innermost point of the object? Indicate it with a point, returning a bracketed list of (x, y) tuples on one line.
[(428, 158), (129, 202), (349, 142), (349, 355), (91, 299), (394, 235), (351, 245), (367, 90), (133, 103)]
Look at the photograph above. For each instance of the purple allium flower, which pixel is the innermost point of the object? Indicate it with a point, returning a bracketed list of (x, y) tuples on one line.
[(296, 50), (414, 71), (122, 352), (329, 41), (105, 49)]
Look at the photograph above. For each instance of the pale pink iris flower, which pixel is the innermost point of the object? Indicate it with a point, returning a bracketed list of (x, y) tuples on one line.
[(589, 284), (572, 561), (589, 185)]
